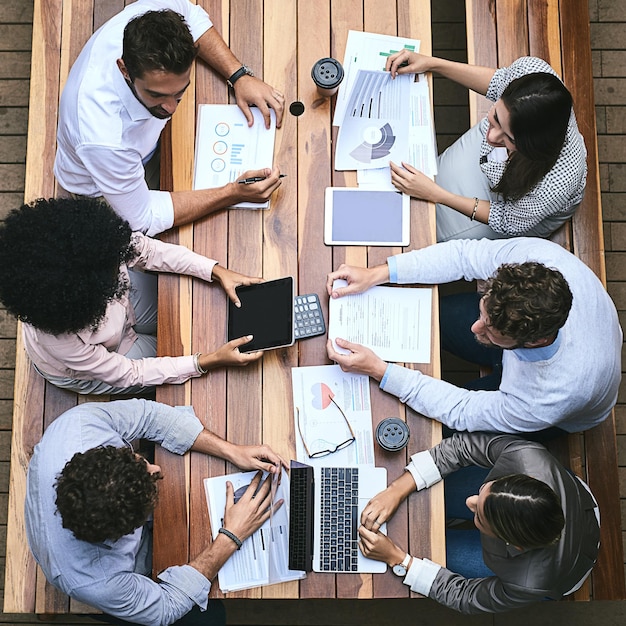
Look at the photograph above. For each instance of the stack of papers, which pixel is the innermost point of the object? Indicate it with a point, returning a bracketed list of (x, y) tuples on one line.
[(263, 558), (382, 119), (394, 322), (318, 391)]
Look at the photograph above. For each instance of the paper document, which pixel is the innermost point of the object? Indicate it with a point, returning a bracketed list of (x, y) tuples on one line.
[(263, 558), (394, 322), (366, 51), (319, 392), (226, 146), (374, 129), (422, 146)]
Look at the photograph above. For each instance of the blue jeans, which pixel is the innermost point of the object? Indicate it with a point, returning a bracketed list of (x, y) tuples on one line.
[(457, 313), (464, 552)]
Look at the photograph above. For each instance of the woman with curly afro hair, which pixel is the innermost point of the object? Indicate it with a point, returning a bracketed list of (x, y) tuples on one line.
[(80, 281)]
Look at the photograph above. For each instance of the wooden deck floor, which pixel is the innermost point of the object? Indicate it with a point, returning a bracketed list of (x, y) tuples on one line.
[(608, 25)]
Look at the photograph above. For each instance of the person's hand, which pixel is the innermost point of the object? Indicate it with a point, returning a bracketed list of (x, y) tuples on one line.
[(251, 91), (259, 191), (252, 509), (407, 62), (256, 458), (375, 545), (230, 280), (359, 279), (381, 508), (361, 359), (229, 355), (411, 181)]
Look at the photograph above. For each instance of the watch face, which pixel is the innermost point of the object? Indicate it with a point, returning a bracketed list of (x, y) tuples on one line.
[(399, 570)]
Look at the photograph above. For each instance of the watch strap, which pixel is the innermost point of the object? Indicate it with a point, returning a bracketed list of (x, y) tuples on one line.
[(242, 71)]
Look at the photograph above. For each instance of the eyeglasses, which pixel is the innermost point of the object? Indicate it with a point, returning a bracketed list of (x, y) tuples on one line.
[(323, 442)]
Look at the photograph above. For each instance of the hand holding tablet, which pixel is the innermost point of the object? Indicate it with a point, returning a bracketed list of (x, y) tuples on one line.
[(266, 313)]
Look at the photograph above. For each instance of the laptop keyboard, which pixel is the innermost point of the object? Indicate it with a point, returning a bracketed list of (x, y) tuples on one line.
[(340, 519)]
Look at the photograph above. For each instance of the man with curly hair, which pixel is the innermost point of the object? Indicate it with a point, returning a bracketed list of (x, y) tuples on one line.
[(85, 288), (124, 86), (89, 504), (545, 324)]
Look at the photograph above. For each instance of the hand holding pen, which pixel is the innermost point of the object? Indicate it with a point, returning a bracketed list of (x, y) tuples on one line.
[(258, 185), (256, 179)]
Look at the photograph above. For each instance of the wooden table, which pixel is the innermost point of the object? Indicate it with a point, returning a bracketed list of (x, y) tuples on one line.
[(281, 40)]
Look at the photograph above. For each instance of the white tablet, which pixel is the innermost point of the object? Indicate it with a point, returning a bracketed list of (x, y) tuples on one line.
[(364, 217)]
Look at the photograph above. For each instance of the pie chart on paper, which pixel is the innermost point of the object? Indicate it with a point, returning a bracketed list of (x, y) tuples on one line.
[(322, 396)]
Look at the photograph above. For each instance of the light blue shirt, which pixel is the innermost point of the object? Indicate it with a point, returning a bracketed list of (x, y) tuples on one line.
[(110, 576), (571, 384)]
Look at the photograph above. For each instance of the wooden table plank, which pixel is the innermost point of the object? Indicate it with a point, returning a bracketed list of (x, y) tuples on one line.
[(314, 153), (280, 241), (511, 30)]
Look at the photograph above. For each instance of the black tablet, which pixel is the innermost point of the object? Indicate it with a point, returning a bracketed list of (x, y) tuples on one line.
[(266, 313)]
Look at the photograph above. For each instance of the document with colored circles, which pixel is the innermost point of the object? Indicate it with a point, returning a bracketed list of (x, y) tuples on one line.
[(226, 147)]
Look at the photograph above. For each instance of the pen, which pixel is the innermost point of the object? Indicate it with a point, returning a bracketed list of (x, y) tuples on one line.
[(255, 179)]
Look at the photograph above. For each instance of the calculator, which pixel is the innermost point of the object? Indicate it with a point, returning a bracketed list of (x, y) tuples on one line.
[(308, 320)]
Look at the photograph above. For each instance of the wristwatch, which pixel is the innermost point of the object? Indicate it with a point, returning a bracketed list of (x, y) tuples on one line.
[(244, 69), (400, 568)]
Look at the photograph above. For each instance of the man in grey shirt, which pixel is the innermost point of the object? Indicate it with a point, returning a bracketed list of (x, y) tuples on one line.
[(538, 523), (89, 503), (563, 373)]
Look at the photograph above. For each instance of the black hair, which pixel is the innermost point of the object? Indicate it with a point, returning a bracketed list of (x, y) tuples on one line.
[(524, 512), (105, 493), (60, 262), (540, 107), (157, 40)]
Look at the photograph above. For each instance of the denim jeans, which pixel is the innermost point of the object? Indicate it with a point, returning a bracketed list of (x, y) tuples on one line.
[(464, 552), (457, 313)]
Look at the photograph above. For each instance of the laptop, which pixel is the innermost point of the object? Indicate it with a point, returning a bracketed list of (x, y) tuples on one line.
[(325, 505)]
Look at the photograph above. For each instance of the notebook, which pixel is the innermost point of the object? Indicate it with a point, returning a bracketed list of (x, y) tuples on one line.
[(325, 506)]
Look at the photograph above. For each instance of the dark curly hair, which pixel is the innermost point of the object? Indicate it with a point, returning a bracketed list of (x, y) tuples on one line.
[(60, 260), (105, 493), (157, 40), (524, 512), (540, 107), (527, 301)]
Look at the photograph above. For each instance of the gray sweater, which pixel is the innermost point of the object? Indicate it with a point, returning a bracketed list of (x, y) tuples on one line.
[(572, 385)]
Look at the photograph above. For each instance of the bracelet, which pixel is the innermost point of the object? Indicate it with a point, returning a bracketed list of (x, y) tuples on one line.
[(232, 536), (196, 362), (473, 215)]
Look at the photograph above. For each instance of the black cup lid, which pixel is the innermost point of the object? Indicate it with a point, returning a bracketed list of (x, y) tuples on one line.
[(392, 434), (327, 73)]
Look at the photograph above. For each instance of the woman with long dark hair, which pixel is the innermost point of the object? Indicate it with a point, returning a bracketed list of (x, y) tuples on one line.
[(521, 171)]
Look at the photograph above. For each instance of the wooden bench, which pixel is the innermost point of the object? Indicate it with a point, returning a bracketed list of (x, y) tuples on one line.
[(498, 32)]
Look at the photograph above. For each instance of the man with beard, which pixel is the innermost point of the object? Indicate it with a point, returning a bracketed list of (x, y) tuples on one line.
[(544, 323), (124, 86)]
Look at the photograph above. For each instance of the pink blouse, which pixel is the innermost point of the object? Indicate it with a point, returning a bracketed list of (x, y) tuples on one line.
[(99, 354)]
